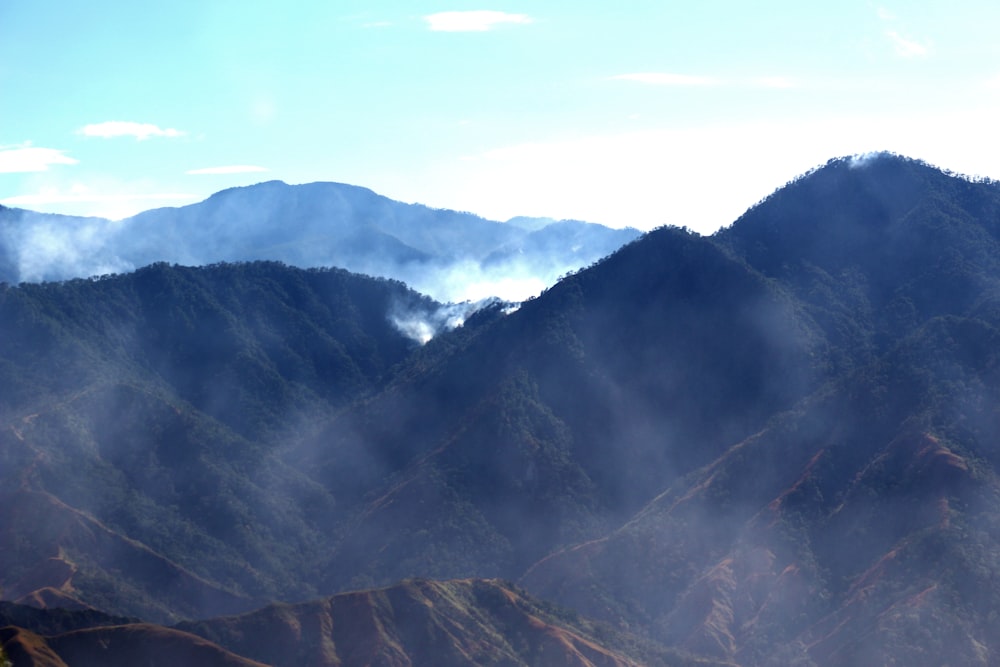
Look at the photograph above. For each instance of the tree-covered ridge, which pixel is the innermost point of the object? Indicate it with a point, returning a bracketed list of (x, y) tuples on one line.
[(262, 324), (856, 528), (152, 408)]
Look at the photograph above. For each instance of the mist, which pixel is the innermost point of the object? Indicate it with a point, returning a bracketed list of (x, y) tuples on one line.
[(421, 322), (787, 431), (447, 255)]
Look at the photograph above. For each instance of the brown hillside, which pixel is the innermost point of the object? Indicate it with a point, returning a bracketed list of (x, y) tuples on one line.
[(418, 622)]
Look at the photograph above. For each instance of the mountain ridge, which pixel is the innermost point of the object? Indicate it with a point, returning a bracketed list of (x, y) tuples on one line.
[(772, 446), (448, 254)]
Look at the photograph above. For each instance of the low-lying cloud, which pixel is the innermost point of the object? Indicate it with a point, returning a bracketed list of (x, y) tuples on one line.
[(470, 281), (421, 324), (78, 247)]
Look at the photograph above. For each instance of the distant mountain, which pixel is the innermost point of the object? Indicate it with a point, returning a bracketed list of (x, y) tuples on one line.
[(449, 255), (772, 446)]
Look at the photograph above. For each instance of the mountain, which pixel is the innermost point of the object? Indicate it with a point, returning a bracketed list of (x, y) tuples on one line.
[(419, 622), (857, 527), (563, 418), (124, 646), (142, 418), (450, 255), (772, 446), (416, 622)]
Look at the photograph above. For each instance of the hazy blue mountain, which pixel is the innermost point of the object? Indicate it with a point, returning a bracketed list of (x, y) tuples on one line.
[(529, 223), (449, 255)]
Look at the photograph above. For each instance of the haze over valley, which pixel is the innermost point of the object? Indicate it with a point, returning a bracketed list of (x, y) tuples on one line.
[(384, 334), (770, 446)]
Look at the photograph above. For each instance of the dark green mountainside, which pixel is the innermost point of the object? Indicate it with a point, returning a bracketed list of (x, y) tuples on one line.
[(143, 414), (773, 446), (859, 527)]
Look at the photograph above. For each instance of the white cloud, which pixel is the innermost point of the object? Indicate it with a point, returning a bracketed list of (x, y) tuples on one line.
[(905, 47), (885, 14), (667, 79), (30, 158), (229, 169), (122, 128), (472, 21)]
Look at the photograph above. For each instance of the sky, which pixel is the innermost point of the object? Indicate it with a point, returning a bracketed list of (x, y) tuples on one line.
[(635, 113)]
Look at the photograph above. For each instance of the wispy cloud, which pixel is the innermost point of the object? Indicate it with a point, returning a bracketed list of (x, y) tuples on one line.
[(472, 21), (30, 158), (885, 14), (122, 128), (681, 80), (906, 47), (229, 169), (667, 79)]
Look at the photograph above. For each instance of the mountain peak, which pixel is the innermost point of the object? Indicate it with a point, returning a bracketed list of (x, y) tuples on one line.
[(860, 211), (452, 256)]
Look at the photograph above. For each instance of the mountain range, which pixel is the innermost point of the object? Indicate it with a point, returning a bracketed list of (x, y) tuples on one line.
[(449, 255), (776, 445)]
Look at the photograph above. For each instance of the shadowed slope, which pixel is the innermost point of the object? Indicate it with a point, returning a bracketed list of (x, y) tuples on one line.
[(117, 646), (860, 526), (449, 624), (564, 416), (140, 418)]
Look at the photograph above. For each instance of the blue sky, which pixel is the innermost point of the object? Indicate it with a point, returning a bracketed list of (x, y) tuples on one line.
[(633, 113)]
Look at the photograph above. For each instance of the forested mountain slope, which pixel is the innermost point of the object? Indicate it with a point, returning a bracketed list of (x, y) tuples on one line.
[(142, 417), (860, 527), (772, 446)]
